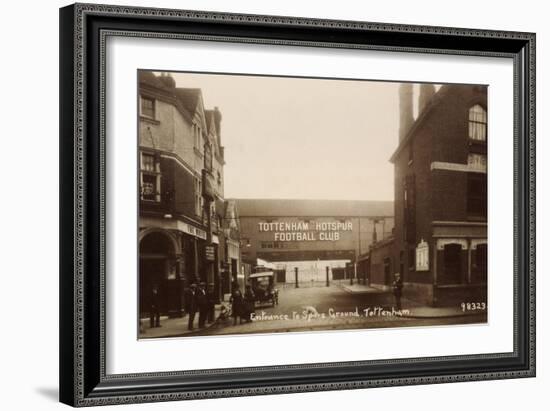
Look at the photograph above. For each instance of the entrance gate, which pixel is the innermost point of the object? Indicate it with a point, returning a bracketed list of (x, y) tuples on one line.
[(309, 273)]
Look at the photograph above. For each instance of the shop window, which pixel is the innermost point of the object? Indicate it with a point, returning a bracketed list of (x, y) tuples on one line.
[(477, 123)]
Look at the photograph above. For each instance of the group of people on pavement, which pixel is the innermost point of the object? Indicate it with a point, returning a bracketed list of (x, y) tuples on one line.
[(242, 306), (202, 300), (199, 299)]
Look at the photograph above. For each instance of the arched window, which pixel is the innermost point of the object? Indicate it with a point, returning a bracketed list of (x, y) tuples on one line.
[(477, 123)]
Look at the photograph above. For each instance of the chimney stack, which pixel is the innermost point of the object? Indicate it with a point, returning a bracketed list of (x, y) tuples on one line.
[(405, 109), (427, 91), (167, 80)]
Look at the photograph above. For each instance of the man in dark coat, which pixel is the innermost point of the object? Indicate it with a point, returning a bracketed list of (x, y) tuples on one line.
[(211, 298), (191, 304), (237, 303), (202, 303), (397, 286), (249, 303), (154, 312)]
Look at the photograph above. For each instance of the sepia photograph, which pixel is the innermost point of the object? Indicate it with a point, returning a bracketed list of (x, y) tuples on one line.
[(272, 204)]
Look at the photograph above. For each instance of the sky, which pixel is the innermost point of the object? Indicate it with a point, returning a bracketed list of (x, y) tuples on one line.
[(303, 138)]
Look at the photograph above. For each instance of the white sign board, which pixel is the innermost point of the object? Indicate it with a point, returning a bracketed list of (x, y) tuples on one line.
[(422, 256)]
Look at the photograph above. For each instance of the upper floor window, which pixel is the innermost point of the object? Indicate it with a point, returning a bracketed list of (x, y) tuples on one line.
[(477, 123), (477, 162), (208, 157), (198, 197), (477, 195), (197, 135), (149, 177), (147, 107)]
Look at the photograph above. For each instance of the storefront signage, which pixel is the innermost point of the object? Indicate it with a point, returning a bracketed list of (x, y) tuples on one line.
[(210, 252), (191, 230), (306, 230)]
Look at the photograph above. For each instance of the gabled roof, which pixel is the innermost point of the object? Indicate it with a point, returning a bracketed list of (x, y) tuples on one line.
[(231, 216), (313, 208), (210, 123), (189, 98)]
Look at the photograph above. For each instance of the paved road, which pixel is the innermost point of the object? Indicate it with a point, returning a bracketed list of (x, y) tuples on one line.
[(325, 298), (328, 308)]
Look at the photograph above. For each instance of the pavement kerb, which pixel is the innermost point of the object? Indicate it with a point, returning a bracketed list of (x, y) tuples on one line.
[(434, 317)]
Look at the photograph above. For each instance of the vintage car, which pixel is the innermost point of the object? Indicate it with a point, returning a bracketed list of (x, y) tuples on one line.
[(263, 286)]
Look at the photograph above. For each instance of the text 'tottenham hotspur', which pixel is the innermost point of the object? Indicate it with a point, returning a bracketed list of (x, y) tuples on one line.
[(306, 231)]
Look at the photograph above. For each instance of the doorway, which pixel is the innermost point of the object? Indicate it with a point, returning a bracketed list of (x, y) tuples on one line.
[(157, 269), (452, 263)]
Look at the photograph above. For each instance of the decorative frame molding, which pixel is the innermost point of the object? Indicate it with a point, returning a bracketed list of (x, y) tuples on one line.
[(83, 32)]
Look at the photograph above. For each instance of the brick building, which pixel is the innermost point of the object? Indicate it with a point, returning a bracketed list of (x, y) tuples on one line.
[(182, 209), (440, 236)]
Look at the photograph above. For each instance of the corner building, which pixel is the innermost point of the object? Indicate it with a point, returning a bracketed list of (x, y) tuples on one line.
[(181, 205), (440, 235)]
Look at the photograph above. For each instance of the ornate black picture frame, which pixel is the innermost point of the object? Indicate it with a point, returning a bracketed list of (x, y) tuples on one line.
[(83, 32)]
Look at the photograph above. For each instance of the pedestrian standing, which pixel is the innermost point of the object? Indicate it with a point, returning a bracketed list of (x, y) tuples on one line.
[(249, 302), (202, 303), (397, 290), (211, 299), (237, 302), (191, 305), (154, 311)]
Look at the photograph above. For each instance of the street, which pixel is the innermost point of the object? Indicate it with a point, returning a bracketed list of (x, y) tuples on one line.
[(335, 308)]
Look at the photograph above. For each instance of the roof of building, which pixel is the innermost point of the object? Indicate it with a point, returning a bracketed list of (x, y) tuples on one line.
[(440, 96), (313, 208), (149, 78), (436, 98), (209, 115), (189, 98)]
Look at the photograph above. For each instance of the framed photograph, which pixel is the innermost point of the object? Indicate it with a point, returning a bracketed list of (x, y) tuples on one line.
[(262, 204)]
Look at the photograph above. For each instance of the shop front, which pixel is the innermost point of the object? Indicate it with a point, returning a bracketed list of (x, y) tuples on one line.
[(171, 257), (159, 272)]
